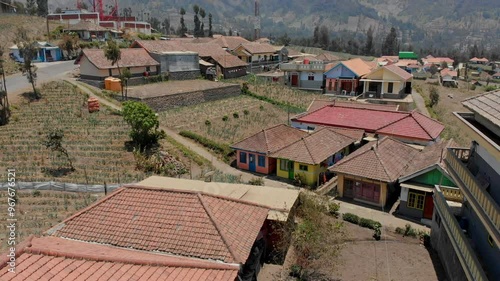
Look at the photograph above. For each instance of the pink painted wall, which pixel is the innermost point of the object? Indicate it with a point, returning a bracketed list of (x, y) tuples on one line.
[(258, 169)]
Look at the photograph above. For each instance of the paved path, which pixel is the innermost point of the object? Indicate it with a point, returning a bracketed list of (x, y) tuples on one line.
[(218, 164), (420, 103), (384, 218)]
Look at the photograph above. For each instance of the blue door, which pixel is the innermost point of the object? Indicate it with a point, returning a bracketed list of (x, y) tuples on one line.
[(251, 159)]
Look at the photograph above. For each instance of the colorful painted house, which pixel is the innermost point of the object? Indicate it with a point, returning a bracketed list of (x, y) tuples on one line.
[(306, 73), (252, 153), (417, 184), (47, 52), (309, 157), (254, 52), (344, 77), (369, 174), (389, 81)]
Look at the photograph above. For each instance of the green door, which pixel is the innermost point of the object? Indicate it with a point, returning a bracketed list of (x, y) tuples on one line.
[(290, 170)]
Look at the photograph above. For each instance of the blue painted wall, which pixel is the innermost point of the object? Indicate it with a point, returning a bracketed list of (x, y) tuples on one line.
[(339, 71)]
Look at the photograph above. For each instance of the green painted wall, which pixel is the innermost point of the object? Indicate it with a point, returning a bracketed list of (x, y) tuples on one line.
[(433, 177)]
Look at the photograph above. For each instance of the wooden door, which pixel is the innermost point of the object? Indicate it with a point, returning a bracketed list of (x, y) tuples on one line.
[(291, 174), (251, 162), (295, 80), (428, 206)]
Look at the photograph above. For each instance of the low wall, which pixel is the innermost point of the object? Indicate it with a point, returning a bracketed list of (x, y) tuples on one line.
[(166, 102), (184, 75)]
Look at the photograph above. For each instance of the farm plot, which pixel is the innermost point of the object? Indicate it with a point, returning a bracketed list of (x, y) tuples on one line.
[(95, 142), (244, 116), (284, 94), (37, 211)]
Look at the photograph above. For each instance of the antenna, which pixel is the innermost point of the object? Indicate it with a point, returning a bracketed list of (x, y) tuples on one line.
[(257, 21)]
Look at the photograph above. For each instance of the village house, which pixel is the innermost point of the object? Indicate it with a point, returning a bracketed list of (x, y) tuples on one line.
[(476, 60), (158, 220), (437, 61), (47, 52), (95, 66), (407, 55), (387, 82), (369, 175), (410, 127), (496, 76), (327, 57), (229, 43), (474, 224), (344, 78), (449, 77), (253, 52), (306, 73), (319, 103), (307, 159), (253, 153), (88, 30)]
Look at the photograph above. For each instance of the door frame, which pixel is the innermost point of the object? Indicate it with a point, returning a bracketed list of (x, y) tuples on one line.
[(251, 162), (296, 76), (291, 172), (428, 206)]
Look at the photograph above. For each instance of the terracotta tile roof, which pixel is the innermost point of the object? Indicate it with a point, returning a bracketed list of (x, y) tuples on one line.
[(449, 72), (352, 133), (271, 139), (258, 48), (486, 105), (411, 125), (184, 223), (160, 46), (86, 26), (230, 42), (496, 74), (430, 156), (129, 58), (398, 71), (358, 66), (438, 60), (263, 40), (406, 62), (327, 57), (474, 59), (293, 53), (315, 148), (228, 61), (51, 258), (384, 160), (317, 104), (415, 126)]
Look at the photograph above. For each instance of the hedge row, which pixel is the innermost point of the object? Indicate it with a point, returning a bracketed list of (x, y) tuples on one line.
[(368, 223), (283, 105), (223, 149)]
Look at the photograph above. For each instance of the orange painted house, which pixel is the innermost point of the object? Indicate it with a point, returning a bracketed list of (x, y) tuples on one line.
[(252, 153)]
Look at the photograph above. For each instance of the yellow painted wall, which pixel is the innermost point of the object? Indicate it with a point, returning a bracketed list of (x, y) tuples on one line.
[(395, 89), (310, 177), (280, 173), (383, 187)]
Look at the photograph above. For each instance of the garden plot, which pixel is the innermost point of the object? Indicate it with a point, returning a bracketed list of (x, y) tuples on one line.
[(285, 94), (244, 116), (95, 142)]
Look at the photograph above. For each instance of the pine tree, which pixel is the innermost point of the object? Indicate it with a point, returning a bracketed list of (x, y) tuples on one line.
[(316, 35), (182, 29), (369, 42), (42, 8), (202, 28), (391, 46), (210, 33), (196, 10), (31, 7)]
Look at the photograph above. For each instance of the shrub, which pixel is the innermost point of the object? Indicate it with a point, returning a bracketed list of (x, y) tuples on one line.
[(433, 96), (489, 88), (246, 112), (236, 115), (350, 218), (333, 208), (473, 87), (261, 107), (377, 232), (36, 193), (368, 223), (410, 231), (217, 147), (399, 230), (208, 123), (256, 181), (225, 118), (144, 123)]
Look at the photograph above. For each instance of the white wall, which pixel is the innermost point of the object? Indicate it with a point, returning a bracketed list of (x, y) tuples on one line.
[(318, 76)]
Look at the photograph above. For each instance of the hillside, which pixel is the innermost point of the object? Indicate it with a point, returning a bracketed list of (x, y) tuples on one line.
[(420, 22)]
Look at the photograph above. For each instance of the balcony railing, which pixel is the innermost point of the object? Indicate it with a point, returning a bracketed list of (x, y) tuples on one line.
[(486, 208), (452, 194), (302, 67), (470, 263)]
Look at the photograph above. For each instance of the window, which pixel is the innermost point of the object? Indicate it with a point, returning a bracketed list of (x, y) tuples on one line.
[(310, 77), (284, 165), (261, 161), (148, 68), (303, 168), (243, 157), (372, 87), (390, 87), (416, 200)]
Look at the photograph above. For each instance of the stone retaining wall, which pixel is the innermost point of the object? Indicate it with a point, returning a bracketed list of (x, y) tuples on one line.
[(184, 75), (166, 102)]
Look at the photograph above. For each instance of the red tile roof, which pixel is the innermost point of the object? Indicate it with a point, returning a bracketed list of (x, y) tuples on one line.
[(384, 160), (229, 61), (183, 223), (474, 59), (316, 147), (327, 57), (449, 72), (412, 125), (431, 155), (317, 104), (230, 42), (129, 58), (271, 139), (52, 258), (258, 48), (358, 66)]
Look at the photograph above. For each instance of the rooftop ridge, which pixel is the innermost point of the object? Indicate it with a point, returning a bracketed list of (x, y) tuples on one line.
[(219, 230), (20, 249), (374, 149)]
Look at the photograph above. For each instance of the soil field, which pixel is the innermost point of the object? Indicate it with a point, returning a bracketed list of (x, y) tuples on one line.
[(95, 142), (285, 94), (245, 117), (37, 211)]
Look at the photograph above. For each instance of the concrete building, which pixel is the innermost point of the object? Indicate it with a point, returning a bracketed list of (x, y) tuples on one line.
[(306, 74), (181, 65), (467, 239)]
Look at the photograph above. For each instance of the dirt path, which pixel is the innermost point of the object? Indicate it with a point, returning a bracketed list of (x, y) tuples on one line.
[(218, 164), (420, 103)]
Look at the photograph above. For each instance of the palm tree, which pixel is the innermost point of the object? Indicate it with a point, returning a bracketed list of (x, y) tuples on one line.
[(112, 53)]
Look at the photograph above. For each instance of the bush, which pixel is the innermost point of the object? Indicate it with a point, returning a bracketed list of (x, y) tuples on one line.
[(350, 218), (36, 193), (246, 112), (489, 88), (223, 149), (473, 87), (399, 230), (144, 123), (433, 96), (368, 223), (236, 115), (256, 181), (333, 208), (208, 123), (225, 118), (410, 231)]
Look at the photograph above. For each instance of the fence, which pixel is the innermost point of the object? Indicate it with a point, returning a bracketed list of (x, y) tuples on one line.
[(61, 186)]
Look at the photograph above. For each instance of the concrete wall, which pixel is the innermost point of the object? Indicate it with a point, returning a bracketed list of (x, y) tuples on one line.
[(235, 72), (486, 165), (177, 62), (90, 72), (166, 102), (442, 244), (383, 189), (184, 75), (246, 165)]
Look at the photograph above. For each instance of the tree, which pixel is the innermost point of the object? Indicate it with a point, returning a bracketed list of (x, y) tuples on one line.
[(284, 40), (444, 65), (433, 69), (202, 27), (166, 26), (4, 99), (324, 37), (69, 43), (368, 50), (182, 28), (144, 123), (58, 10), (196, 10), (316, 36), (28, 49), (433, 96), (112, 53), (124, 77), (155, 23), (53, 141), (230, 32), (391, 46), (42, 8), (31, 7), (210, 33)]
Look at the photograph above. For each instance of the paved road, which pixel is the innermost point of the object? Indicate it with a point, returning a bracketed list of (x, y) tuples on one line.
[(17, 83)]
